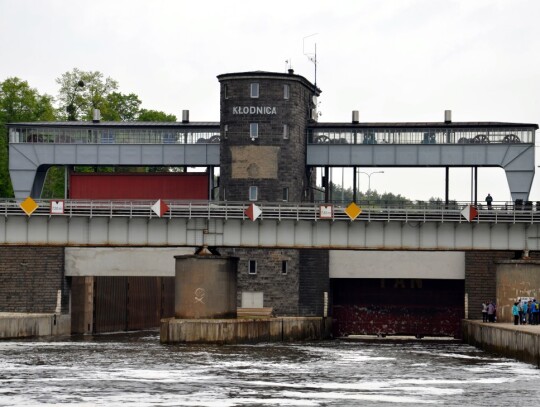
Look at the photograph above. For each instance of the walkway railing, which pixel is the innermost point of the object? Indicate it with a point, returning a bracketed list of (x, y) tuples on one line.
[(275, 211)]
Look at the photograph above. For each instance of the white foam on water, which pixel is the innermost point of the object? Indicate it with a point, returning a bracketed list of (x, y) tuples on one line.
[(372, 385), (365, 397), (430, 390)]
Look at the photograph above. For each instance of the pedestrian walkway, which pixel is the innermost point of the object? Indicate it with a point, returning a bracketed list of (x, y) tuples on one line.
[(511, 326), (520, 342)]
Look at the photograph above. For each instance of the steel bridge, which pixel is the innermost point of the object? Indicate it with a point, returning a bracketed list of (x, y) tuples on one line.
[(280, 225), (35, 147)]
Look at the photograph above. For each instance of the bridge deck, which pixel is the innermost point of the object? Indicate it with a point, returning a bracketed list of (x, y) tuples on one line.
[(225, 224)]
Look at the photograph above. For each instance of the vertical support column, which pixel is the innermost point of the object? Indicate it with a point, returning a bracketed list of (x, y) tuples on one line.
[(447, 186), (354, 183), (210, 171), (326, 185), (476, 185)]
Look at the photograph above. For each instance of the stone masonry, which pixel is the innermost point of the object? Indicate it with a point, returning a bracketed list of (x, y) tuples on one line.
[(480, 276), (30, 278), (275, 163)]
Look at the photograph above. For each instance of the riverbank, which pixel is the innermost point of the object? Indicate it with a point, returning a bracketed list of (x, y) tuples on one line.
[(521, 342)]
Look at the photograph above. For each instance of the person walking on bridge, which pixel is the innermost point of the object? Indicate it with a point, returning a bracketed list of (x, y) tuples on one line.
[(489, 200)]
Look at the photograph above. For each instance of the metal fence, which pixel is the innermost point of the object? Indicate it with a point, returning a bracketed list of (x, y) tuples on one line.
[(501, 213)]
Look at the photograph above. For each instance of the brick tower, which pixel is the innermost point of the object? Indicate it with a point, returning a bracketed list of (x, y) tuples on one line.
[(264, 116)]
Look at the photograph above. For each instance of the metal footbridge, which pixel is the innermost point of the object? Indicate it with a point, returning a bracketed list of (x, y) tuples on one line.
[(35, 147), (280, 225)]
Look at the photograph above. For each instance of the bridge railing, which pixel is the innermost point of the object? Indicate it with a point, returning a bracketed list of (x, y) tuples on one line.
[(274, 211)]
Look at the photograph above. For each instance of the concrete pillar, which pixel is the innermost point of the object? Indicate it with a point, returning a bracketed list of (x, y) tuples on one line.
[(205, 287)]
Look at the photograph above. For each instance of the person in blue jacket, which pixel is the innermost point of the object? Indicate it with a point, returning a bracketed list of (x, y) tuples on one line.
[(515, 313), (531, 315), (524, 311)]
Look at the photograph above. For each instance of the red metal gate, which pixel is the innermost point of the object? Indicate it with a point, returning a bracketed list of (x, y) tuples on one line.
[(397, 307)]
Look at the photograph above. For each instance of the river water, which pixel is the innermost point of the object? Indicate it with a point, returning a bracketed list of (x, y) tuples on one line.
[(135, 369)]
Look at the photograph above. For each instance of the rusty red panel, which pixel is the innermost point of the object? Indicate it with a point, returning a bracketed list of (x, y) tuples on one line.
[(167, 297), (110, 296), (138, 186), (79, 300), (144, 302), (397, 307)]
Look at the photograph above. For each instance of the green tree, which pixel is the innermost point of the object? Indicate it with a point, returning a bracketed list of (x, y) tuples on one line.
[(81, 92), (19, 103), (121, 107), (155, 116)]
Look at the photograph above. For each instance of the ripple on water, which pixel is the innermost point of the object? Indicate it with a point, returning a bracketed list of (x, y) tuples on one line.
[(115, 370)]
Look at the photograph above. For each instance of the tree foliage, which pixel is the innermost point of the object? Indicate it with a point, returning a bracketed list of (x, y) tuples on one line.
[(19, 103), (121, 107), (155, 116), (79, 93), (82, 91)]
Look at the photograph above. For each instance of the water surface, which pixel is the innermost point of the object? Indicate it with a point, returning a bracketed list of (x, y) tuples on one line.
[(135, 369)]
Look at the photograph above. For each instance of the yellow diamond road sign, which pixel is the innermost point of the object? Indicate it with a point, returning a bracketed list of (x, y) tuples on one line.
[(29, 206), (353, 211)]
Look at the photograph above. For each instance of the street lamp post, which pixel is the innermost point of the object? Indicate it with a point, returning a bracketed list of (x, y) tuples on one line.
[(369, 174)]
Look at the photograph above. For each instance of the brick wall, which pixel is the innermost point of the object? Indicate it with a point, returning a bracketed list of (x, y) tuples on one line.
[(246, 162), (480, 276), (280, 290), (314, 281), (30, 278)]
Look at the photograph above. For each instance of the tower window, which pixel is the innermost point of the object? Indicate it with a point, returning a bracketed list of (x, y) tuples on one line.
[(284, 266), (253, 193), (252, 266), (285, 131), (286, 91), (254, 90), (225, 91), (225, 131), (285, 194), (253, 130)]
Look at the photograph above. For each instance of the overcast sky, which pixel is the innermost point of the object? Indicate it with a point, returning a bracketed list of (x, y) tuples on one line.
[(401, 60)]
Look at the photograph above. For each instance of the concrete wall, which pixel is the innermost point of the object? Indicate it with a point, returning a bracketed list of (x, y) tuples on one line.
[(514, 343), (122, 261), (397, 264), (224, 331), (14, 325), (515, 279), (32, 280)]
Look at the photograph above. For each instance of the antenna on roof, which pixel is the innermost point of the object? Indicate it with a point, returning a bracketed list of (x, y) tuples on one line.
[(311, 56), (288, 64)]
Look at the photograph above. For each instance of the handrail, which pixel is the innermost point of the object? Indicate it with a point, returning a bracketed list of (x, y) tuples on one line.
[(276, 211)]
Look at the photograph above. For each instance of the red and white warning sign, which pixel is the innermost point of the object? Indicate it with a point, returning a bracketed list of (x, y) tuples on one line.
[(253, 212), (160, 208), (469, 212)]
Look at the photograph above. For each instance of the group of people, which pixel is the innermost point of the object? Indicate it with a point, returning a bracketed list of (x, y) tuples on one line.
[(489, 311), (526, 312)]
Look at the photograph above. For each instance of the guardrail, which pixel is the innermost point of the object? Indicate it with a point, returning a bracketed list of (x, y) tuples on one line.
[(272, 211)]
